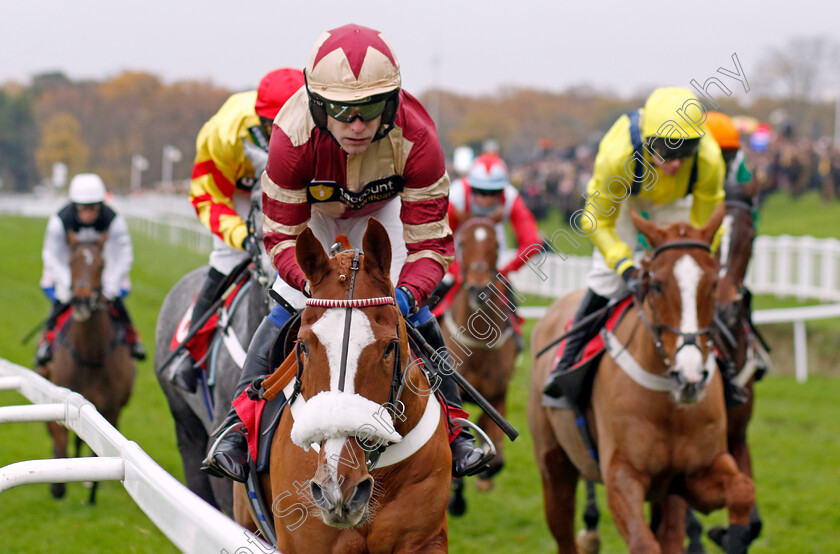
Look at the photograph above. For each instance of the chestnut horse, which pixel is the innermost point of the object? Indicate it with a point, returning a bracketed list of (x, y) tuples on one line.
[(91, 355), (743, 345), (656, 413), (356, 392), (479, 333)]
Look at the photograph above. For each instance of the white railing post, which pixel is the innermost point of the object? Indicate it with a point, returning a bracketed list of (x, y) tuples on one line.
[(800, 350)]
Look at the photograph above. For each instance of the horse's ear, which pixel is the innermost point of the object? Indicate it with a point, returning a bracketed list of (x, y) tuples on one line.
[(377, 248), (710, 228), (103, 238), (72, 238), (654, 235), (311, 257)]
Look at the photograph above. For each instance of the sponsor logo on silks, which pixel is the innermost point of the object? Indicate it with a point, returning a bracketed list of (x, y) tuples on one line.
[(375, 191)]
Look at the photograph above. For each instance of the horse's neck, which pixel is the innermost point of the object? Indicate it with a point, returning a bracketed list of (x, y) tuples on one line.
[(639, 342), (91, 337), (414, 403), (462, 312)]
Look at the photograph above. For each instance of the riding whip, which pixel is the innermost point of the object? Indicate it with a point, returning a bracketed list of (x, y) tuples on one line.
[(425, 350), (231, 278)]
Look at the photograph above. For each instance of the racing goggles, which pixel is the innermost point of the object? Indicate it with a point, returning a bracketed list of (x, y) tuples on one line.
[(686, 148), (346, 113)]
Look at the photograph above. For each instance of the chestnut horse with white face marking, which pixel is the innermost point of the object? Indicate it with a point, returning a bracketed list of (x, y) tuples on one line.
[(91, 355), (478, 329), (656, 413), (352, 351)]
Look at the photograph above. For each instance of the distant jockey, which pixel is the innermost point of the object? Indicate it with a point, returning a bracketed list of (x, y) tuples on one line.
[(89, 218), (487, 192)]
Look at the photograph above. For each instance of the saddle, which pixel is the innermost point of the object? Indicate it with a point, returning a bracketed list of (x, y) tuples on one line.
[(577, 381), (199, 344)]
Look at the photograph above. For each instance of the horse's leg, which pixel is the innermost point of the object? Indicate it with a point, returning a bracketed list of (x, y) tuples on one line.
[(739, 418), (626, 490), (457, 502), (485, 478), (722, 484), (559, 480), (59, 437), (694, 530), (192, 444), (670, 529), (588, 539)]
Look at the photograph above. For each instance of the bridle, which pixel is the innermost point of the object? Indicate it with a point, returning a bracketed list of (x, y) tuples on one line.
[(397, 373), (655, 329)]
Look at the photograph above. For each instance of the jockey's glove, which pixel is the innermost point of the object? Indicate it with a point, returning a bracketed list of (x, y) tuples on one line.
[(251, 246), (633, 281), (405, 301)]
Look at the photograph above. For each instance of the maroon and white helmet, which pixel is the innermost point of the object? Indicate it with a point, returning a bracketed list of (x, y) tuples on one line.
[(489, 173), (353, 65)]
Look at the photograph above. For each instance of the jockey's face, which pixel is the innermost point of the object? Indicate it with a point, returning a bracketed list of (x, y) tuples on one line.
[(486, 201), (353, 137), (88, 212), (669, 167)]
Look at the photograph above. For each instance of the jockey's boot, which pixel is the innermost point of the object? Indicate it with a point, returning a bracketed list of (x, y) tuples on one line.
[(467, 457), (185, 376), (733, 393), (228, 454), (44, 352), (138, 352), (576, 340)]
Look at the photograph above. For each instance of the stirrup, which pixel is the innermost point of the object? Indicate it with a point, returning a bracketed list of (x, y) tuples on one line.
[(209, 465), (486, 445)]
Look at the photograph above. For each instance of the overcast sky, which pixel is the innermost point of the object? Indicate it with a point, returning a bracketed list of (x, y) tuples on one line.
[(467, 46)]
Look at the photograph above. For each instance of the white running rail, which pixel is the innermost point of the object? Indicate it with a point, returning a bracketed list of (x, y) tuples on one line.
[(188, 521)]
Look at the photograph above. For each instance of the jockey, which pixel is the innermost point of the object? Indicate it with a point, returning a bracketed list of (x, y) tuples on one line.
[(677, 175), (487, 192), (88, 217), (729, 140), (231, 153), (349, 146)]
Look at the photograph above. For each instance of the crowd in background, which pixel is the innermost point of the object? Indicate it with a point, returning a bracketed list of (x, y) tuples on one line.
[(555, 178)]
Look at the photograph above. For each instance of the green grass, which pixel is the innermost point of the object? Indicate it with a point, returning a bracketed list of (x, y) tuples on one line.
[(31, 520), (795, 436)]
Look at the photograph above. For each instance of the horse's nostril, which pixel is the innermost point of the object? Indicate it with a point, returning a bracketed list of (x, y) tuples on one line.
[(317, 492), (362, 493)]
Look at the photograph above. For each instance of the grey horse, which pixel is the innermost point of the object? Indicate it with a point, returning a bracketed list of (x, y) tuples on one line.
[(198, 414)]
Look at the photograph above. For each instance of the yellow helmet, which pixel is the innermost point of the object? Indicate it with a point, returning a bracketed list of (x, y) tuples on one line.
[(663, 106)]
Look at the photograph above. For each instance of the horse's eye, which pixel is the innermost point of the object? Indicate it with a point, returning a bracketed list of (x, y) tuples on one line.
[(390, 349), (304, 348), (655, 286)]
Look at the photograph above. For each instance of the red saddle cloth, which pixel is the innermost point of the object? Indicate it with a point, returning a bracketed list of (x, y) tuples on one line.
[(251, 411), (200, 343), (595, 346)]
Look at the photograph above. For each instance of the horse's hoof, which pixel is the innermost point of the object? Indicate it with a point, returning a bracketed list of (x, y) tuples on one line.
[(588, 542), (457, 505), (58, 490), (484, 485)]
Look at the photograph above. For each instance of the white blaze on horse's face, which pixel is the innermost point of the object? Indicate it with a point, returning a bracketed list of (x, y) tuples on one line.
[(480, 234), (689, 360), (725, 246), (330, 332)]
